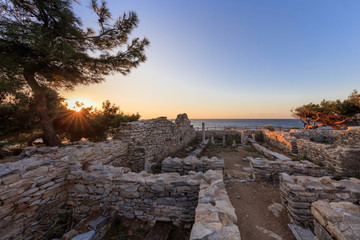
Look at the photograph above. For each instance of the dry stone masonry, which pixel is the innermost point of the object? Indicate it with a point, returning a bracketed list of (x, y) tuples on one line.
[(268, 170), (215, 217), (35, 187), (344, 160), (191, 163), (85, 180), (282, 140), (336, 220), (152, 140), (148, 197), (298, 192), (336, 149)]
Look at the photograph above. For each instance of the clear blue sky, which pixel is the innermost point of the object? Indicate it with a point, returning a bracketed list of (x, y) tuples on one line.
[(234, 59)]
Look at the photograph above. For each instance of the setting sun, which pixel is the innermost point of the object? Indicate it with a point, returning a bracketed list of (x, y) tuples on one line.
[(78, 103)]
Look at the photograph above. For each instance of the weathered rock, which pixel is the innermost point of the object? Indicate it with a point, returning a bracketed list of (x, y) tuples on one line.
[(341, 220), (298, 192)]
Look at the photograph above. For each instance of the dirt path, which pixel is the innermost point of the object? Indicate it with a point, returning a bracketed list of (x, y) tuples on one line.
[(251, 199)]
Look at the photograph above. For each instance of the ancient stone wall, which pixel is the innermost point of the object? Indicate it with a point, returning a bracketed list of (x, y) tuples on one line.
[(336, 220), (215, 216), (298, 192), (148, 197), (315, 135), (152, 140), (80, 177), (344, 160), (34, 190), (281, 139), (269, 170), (191, 163)]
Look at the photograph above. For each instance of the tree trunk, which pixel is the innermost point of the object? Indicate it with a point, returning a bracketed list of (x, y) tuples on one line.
[(50, 137)]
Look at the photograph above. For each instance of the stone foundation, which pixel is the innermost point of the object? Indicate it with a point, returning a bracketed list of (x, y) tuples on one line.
[(268, 170), (215, 217), (336, 220), (191, 163), (298, 192), (269, 153), (162, 197), (80, 178), (336, 149), (152, 140), (35, 187), (344, 160)]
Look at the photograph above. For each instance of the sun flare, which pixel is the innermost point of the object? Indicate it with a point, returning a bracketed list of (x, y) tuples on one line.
[(78, 103)]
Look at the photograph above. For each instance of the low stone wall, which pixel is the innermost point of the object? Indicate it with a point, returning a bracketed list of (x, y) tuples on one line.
[(316, 135), (80, 179), (269, 170), (191, 163), (298, 192), (269, 153), (349, 137), (33, 190), (152, 140), (148, 197), (336, 220), (344, 160), (215, 217), (282, 140)]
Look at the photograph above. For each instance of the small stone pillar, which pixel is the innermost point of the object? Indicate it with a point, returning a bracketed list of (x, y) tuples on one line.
[(234, 144), (224, 141), (212, 140), (243, 137), (203, 132)]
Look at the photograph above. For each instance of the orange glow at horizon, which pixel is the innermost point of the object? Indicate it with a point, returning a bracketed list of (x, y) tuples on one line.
[(78, 103)]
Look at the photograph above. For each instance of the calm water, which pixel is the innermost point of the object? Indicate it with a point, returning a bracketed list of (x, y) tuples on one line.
[(245, 123)]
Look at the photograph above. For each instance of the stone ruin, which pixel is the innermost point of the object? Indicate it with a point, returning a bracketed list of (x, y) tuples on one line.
[(95, 182), (339, 220), (335, 149), (309, 191), (150, 141)]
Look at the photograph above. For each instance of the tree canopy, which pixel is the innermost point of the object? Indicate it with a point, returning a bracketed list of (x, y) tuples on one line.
[(336, 114), (19, 123), (43, 45), (93, 124)]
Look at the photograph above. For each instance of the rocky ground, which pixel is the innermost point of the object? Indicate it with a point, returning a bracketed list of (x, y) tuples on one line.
[(258, 205)]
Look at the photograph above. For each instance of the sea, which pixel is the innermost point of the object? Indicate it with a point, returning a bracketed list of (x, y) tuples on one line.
[(212, 124)]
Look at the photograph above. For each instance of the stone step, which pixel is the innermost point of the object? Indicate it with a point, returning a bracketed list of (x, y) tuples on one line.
[(160, 231)]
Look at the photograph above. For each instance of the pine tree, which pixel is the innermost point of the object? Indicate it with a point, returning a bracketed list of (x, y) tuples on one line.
[(44, 45)]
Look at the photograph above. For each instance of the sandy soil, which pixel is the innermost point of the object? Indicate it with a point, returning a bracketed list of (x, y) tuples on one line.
[(251, 199)]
